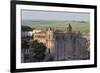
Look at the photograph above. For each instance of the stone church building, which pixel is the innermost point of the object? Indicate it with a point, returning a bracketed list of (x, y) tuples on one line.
[(63, 45)]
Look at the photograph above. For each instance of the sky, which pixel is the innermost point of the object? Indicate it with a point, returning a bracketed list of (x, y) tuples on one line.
[(54, 16)]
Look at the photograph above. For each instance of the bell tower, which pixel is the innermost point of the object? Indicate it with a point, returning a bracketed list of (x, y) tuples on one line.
[(69, 29), (50, 39)]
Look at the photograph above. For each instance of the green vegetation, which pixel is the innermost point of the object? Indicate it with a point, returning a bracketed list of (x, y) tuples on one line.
[(39, 50), (61, 25)]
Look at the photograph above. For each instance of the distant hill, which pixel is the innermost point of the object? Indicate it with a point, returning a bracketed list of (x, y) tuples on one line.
[(81, 26)]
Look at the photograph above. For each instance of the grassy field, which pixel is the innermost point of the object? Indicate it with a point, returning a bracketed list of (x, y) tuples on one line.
[(61, 25)]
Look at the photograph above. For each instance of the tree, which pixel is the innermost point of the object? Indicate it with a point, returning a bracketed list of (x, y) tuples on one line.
[(39, 50), (24, 44)]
